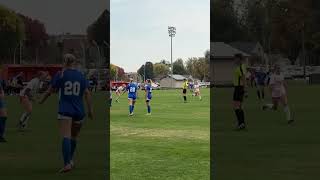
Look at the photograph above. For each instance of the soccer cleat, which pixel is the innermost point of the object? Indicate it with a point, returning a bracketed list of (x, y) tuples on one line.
[(72, 164), (22, 127), (66, 169), (131, 114), (241, 127), (291, 121), (264, 107), (148, 114), (2, 140)]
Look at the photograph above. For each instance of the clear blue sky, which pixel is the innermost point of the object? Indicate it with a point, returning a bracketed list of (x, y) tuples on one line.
[(139, 30)]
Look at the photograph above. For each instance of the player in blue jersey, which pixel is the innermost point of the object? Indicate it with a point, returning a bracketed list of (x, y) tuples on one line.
[(3, 114), (132, 95), (72, 87), (148, 90), (110, 97), (261, 77)]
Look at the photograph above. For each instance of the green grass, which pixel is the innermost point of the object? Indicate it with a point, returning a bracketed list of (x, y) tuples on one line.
[(171, 144), (270, 149), (36, 154)]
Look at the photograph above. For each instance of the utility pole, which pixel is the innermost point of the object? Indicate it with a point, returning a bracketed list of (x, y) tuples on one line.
[(303, 51), (20, 52)]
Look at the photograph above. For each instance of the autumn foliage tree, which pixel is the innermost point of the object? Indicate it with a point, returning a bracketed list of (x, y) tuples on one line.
[(36, 36), (99, 31), (11, 32)]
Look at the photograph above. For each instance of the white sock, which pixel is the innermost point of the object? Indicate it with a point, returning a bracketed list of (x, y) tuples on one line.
[(269, 106), (24, 118), (288, 113)]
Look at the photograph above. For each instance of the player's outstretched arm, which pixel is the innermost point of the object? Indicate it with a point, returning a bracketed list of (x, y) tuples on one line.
[(285, 85), (88, 100), (46, 95)]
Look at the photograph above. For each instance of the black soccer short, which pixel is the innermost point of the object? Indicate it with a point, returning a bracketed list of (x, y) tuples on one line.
[(184, 91), (238, 93)]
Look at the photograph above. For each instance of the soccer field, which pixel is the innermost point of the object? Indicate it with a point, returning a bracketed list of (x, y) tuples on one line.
[(36, 154), (171, 144), (270, 149)]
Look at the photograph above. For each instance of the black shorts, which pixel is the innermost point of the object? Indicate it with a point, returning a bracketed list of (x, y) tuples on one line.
[(184, 91), (238, 93)]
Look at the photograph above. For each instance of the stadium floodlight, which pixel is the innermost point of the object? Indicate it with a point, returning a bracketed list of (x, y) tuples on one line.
[(172, 32), (19, 45), (98, 64)]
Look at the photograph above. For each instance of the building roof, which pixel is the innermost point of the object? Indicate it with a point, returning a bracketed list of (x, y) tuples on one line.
[(247, 47), (223, 50)]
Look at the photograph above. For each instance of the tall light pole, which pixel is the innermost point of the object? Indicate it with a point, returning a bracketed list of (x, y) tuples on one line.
[(99, 61), (15, 50), (172, 33), (144, 73), (303, 51)]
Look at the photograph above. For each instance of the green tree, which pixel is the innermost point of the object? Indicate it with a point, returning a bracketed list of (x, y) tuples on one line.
[(11, 32), (113, 72), (36, 37), (199, 67), (190, 66), (146, 70), (178, 67), (160, 70), (226, 26), (99, 31)]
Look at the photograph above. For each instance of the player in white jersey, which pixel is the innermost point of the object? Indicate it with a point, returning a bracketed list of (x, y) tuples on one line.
[(119, 92), (196, 87), (27, 95), (278, 89)]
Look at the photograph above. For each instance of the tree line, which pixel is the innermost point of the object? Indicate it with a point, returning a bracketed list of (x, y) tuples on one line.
[(197, 67), (117, 73), (284, 27), (18, 30)]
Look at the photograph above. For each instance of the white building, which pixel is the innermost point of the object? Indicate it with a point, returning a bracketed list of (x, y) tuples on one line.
[(174, 81), (222, 62)]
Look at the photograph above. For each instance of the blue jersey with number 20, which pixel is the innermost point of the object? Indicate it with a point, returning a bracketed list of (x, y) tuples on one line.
[(132, 91), (71, 84)]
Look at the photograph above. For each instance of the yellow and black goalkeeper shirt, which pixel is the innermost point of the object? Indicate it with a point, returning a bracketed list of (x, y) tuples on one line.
[(185, 85), (238, 74)]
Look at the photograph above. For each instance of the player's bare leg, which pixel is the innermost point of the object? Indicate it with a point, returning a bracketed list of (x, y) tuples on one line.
[(199, 94), (27, 106), (286, 109), (75, 131), (131, 106)]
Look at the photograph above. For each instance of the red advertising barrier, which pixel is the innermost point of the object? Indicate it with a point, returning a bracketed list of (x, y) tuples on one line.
[(9, 71)]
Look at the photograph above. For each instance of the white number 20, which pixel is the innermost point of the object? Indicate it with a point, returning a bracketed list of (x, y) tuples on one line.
[(71, 88), (132, 89)]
